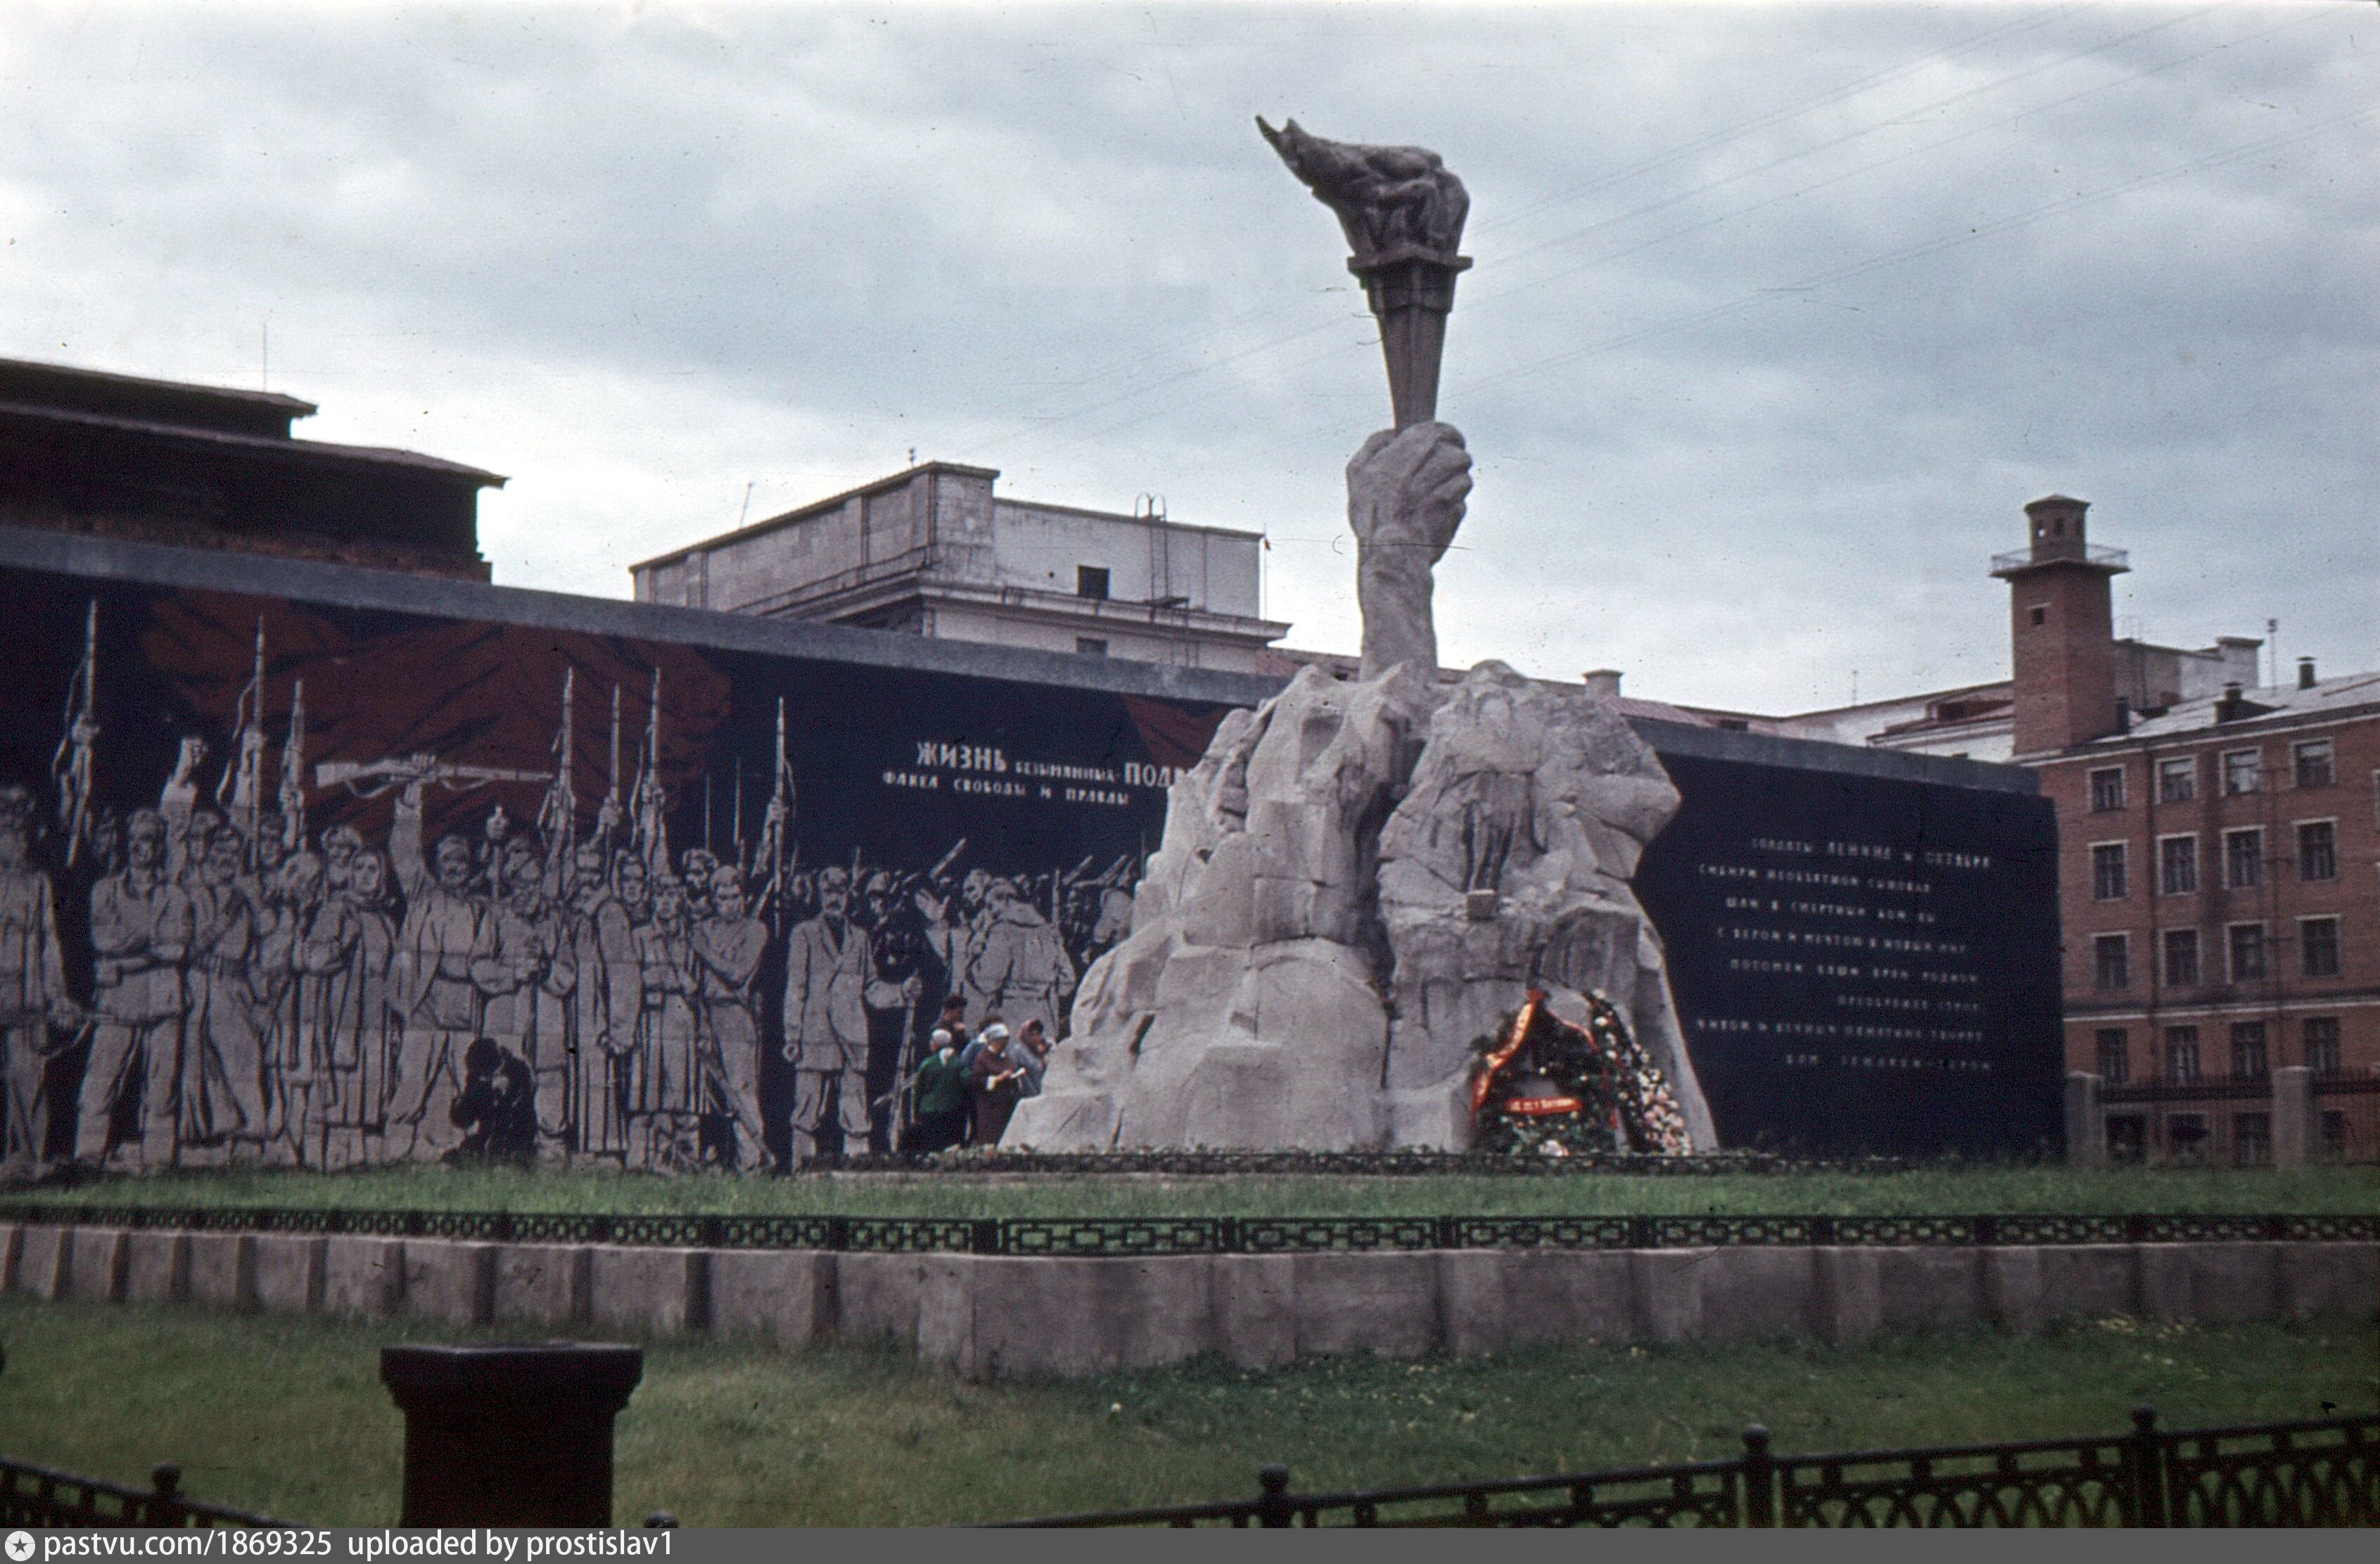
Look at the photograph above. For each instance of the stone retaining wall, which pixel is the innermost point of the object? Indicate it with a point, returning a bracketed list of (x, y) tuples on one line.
[(987, 1316)]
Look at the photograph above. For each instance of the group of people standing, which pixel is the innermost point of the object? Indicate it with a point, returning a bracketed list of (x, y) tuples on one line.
[(967, 1087), (259, 995)]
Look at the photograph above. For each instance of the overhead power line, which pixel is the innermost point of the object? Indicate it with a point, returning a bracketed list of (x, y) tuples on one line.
[(1027, 429), (1494, 296), (1945, 242), (1989, 229)]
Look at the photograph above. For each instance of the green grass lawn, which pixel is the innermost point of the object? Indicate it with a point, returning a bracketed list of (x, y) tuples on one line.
[(1946, 1190), (287, 1415)]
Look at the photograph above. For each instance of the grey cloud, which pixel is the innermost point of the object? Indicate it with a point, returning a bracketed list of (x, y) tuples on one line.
[(690, 250)]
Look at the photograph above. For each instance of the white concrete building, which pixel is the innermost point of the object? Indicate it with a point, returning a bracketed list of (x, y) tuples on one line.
[(932, 551)]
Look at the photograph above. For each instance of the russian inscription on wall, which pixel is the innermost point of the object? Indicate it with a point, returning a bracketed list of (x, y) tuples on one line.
[(1862, 964)]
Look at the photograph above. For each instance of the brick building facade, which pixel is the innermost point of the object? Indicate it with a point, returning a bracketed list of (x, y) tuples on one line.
[(2218, 852), (2219, 871)]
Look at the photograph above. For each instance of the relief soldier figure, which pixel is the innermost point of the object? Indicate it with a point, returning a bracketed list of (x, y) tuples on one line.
[(33, 991), (292, 1049), (902, 955), (345, 962), (140, 930), (830, 980), (289, 893), (526, 977), (223, 1078), (1018, 968), (605, 1002), (956, 934), (729, 944), (441, 937), (667, 1125)]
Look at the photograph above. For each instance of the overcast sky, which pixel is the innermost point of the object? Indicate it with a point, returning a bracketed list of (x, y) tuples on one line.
[(1779, 314)]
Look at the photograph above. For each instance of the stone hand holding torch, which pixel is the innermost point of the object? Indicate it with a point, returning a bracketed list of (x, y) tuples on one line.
[(1402, 214)]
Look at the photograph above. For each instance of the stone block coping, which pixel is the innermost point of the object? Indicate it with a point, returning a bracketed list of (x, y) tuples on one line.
[(987, 1316)]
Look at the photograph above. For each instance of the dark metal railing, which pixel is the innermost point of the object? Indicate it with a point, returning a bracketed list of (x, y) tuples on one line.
[(2319, 1474), (2205, 1088), (36, 1495), (1136, 1237), (1207, 1162)]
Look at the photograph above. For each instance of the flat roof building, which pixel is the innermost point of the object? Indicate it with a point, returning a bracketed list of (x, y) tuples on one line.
[(932, 552), (211, 467)]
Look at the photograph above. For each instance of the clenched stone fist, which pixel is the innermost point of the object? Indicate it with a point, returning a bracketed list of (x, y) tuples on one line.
[(1405, 494)]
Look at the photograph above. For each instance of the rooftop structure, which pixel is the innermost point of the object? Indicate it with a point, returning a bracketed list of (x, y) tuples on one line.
[(932, 552), (211, 466)]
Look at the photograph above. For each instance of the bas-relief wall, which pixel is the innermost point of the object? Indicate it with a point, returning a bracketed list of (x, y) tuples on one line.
[(244, 933), (222, 942)]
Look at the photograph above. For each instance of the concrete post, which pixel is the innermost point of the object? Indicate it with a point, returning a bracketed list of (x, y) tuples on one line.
[(2297, 1130), (509, 1434), (2086, 1122)]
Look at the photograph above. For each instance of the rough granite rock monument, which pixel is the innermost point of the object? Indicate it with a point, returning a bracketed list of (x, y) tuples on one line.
[(1359, 880)]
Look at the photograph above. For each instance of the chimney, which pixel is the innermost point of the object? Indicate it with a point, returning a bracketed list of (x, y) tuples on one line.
[(2305, 673), (2227, 708), (1603, 683), (2062, 630)]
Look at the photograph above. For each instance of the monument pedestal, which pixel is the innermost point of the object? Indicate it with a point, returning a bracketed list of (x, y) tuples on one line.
[(509, 1434), (1307, 967)]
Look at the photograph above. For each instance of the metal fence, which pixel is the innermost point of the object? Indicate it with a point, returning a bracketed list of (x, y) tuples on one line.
[(2212, 1123), (1211, 1162), (2346, 1116), (1136, 1237), (2228, 1121), (2317, 1474), (36, 1495), (2313, 1473)]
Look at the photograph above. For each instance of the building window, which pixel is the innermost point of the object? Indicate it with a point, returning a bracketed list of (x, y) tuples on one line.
[(2247, 952), (2177, 866), (2181, 958), (2111, 960), (2313, 760), (2185, 1137), (1091, 581), (2107, 790), (2108, 881), (2248, 1056), (2243, 771), (2317, 850), (2334, 1134), (2318, 946), (2319, 1037), (2243, 859), (2115, 1055), (2127, 1137), (2039, 614), (1090, 646), (2252, 1139), (2181, 1054), (2177, 781)]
